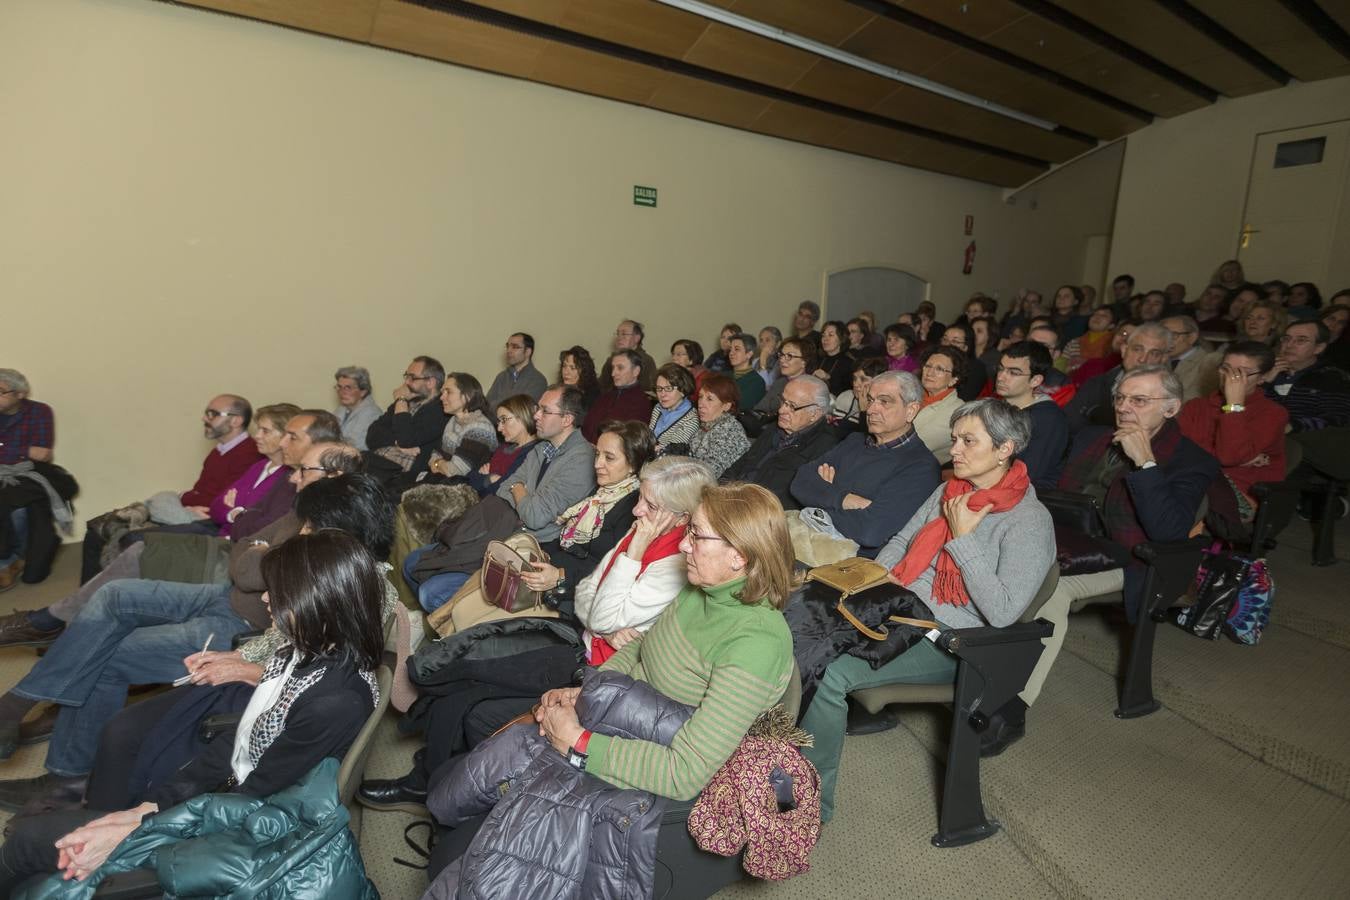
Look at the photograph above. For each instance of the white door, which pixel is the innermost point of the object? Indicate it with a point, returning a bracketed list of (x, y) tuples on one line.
[(886, 292), (1297, 209)]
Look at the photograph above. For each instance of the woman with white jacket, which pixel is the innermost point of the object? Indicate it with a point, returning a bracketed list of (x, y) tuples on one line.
[(638, 579)]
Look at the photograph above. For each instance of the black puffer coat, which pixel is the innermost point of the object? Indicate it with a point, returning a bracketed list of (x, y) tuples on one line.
[(554, 832)]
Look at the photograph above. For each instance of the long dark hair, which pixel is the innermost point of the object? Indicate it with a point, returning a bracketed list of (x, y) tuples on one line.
[(354, 504), (325, 593), (587, 381)]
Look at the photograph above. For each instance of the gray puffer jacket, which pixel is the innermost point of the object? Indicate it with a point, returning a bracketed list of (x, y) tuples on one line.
[(554, 832)]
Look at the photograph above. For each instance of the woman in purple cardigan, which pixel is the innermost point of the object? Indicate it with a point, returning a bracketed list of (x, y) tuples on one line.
[(264, 476)]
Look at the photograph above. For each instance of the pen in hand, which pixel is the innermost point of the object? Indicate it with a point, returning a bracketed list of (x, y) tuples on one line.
[(188, 677)]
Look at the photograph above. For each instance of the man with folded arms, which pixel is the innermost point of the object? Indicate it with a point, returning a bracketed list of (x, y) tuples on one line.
[(801, 435)]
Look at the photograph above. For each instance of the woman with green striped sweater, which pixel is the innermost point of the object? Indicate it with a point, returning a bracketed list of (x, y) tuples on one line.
[(722, 647)]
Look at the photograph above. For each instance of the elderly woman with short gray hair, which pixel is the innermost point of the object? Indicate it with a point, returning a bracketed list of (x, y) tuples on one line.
[(975, 553), (355, 410)]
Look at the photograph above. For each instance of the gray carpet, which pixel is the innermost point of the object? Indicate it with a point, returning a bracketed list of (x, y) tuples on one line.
[(1239, 787)]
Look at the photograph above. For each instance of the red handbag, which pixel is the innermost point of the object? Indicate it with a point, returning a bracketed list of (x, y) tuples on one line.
[(503, 563)]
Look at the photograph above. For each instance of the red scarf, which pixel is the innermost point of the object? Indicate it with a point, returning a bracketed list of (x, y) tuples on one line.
[(664, 545), (931, 541), (930, 399)]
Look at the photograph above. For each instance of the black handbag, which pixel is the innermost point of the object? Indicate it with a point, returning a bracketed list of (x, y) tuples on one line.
[(1217, 584)]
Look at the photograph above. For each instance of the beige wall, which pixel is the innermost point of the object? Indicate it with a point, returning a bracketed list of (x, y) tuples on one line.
[(1184, 183), (195, 203)]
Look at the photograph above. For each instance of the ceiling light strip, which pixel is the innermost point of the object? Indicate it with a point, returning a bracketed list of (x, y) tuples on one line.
[(754, 26)]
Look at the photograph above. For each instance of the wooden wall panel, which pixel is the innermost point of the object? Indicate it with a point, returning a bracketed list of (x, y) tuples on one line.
[(759, 59), (350, 19), (636, 23), (829, 21), (415, 29), (701, 100), (592, 73)]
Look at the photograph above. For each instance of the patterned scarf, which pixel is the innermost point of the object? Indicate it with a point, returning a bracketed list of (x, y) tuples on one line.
[(1100, 469), (581, 522), (948, 584)]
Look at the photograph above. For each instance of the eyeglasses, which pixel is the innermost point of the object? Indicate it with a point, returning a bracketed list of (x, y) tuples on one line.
[(939, 369), (695, 536), (668, 389), (347, 387), (1012, 372), (790, 356), (211, 414), (795, 407), (544, 411), (310, 469), (1229, 370), (510, 346), (1147, 352), (502, 420), (409, 376), (1136, 401)]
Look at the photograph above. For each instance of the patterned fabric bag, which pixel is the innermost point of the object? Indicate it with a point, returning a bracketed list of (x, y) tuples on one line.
[(1250, 613), (1232, 595)]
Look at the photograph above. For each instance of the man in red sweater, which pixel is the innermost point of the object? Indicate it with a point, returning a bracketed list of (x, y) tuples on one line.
[(224, 421), (1238, 424)]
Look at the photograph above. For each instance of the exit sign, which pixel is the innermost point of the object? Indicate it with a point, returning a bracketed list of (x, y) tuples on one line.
[(644, 196)]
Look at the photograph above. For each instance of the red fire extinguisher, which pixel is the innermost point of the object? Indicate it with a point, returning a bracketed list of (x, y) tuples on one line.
[(970, 259)]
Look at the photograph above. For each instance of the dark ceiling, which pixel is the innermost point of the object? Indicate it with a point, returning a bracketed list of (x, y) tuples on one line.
[(1093, 70)]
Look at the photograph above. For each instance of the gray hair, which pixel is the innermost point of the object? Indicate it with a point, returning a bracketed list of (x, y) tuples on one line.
[(747, 341), (341, 459), (676, 483), (359, 374), (1171, 384), (911, 391), (820, 391), (1156, 329), (1001, 419), (13, 380), (773, 330), (1187, 323)]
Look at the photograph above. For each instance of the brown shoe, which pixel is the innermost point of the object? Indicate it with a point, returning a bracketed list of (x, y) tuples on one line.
[(9, 575), (17, 631)]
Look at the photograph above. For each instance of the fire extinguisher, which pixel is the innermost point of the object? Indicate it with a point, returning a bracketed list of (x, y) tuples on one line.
[(970, 259)]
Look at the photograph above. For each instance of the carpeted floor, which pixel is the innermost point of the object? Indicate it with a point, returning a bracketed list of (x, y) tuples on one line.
[(1238, 787)]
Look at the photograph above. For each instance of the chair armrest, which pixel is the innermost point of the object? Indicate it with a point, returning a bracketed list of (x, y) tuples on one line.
[(1171, 570), (955, 640)]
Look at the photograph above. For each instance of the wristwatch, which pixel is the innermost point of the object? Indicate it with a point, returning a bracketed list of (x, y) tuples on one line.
[(576, 754), (1233, 407)]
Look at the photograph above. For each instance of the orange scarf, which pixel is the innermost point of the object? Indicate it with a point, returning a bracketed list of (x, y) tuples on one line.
[(1095, 344), (931, 541), (940, 395)]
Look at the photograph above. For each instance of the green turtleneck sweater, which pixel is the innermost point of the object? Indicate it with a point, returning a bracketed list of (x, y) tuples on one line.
[(730, 660)]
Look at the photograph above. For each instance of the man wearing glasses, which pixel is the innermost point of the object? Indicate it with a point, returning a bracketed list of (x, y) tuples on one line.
[(801, 434), (1150, 344), (1147, 476), (1195, 362), (1317, 396), (796, 357), (520, 376), (411, 427), (1021, 373), (560, 469)]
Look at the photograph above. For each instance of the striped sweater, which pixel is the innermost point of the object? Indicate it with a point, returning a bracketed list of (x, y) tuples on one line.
[(730, 660)]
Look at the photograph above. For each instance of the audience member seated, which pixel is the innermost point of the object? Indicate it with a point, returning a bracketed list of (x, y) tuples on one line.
[(834, 364), (1093, 367), (558, 470), (1303, 302), (27, 435), (927, 329), (901, 344), (520, 376), (1335, 318), (225, 421), (1150, 344), (1064, 313), (770, 339), (975, 553), (802, 433), (720, 439), (628, 338), (861, 341), (939, 374), (152, 738), (869, 485), (137, 631), (1263, 321), (269, 474), (804, 324), (1317, 397), (851, 408), (750, 386), (1020, 376), (469, 438), (626, 400), (986, 346), (1095, 342), (796, 357), (589, 528), (1195, 362), (312, 700), (515, 424), (1146, 476), (674, 419), (1208, 311), (1238, 425), (689, 355), (1153, 306), (577, 369), (719, 361), (1240, 299), (961, 336), (356, 409), (401, 440)]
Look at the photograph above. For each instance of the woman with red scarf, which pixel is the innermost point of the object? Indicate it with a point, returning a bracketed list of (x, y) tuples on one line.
[(638, 579), (975, 553)]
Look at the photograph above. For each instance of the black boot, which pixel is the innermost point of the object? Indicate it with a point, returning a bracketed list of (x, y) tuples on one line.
[(1006, 727), (406, 794)]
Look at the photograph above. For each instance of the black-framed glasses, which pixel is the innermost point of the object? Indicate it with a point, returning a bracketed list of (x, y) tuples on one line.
[(1014, 372), (211, 414), (790, 356), (310, 469), (1136, 401), (409, 376), (545, 411), (795, 407), (666, 390), (695, 536)]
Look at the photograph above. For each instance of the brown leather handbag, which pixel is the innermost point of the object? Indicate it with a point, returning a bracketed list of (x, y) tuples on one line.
[(503, 564), (852, 576)]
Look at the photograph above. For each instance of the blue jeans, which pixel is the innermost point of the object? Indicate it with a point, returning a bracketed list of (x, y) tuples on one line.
[(133, 631), (827, 716), (432, 593), (18, 520)]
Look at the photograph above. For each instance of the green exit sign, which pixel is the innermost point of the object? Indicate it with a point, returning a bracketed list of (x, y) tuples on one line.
[(644, 196)]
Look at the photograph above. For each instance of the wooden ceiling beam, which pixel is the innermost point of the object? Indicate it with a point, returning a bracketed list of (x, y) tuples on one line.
[(1225, 39)]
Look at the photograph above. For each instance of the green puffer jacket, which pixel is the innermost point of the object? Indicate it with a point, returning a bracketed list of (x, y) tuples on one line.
[(294, 844)]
